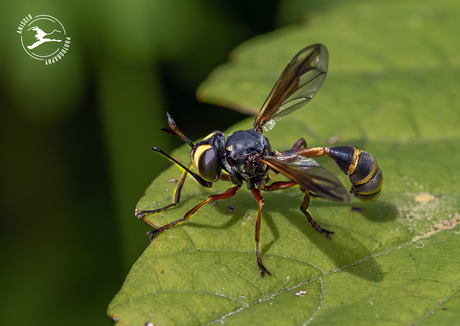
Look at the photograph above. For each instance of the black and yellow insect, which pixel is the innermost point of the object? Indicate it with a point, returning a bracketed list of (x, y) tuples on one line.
[(247, 156)]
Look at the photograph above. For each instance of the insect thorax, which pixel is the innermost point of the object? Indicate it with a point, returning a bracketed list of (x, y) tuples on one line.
[(241, 160)]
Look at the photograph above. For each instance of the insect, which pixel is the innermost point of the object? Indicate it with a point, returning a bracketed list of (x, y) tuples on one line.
[(246, 155)]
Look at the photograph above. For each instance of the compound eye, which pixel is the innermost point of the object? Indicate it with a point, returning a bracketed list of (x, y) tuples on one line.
[(208, 163)]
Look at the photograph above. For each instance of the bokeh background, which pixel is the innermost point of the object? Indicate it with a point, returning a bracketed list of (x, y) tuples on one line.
[(76, 136)]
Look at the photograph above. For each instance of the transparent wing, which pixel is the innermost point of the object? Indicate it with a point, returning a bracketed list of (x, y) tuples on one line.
[(310, 175), (296, 86)]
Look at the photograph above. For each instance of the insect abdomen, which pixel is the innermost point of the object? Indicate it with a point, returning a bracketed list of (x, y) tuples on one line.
[(361, 167)]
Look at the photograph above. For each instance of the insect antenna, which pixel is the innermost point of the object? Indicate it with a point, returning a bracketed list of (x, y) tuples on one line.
[(200, 180), (176, 132)]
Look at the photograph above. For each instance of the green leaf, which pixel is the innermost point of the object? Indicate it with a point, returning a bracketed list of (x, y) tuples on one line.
[(392, 90)]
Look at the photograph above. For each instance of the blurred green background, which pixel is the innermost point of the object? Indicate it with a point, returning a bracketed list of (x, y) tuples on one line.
[(76, 137)]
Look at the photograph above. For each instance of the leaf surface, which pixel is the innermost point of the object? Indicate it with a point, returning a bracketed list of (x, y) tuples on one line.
[(392, 90)]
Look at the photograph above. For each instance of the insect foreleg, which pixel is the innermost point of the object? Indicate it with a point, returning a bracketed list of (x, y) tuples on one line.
[(229, 193), (141, 214)]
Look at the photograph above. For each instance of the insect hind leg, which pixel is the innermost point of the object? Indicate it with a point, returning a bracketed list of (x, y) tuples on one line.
[(303, 209), (298, 144)]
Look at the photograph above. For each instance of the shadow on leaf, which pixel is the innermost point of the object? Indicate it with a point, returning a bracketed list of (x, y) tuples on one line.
[(345, 250)]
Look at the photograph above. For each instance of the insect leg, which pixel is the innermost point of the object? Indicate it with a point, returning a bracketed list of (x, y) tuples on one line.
[(303, 209), (260, 200), (141, 214), (229, 193), (224, 177), (279, 185), (298, 144)]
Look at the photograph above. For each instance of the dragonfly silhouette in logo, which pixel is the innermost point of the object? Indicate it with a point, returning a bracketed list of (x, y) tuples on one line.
[(40, 36)]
